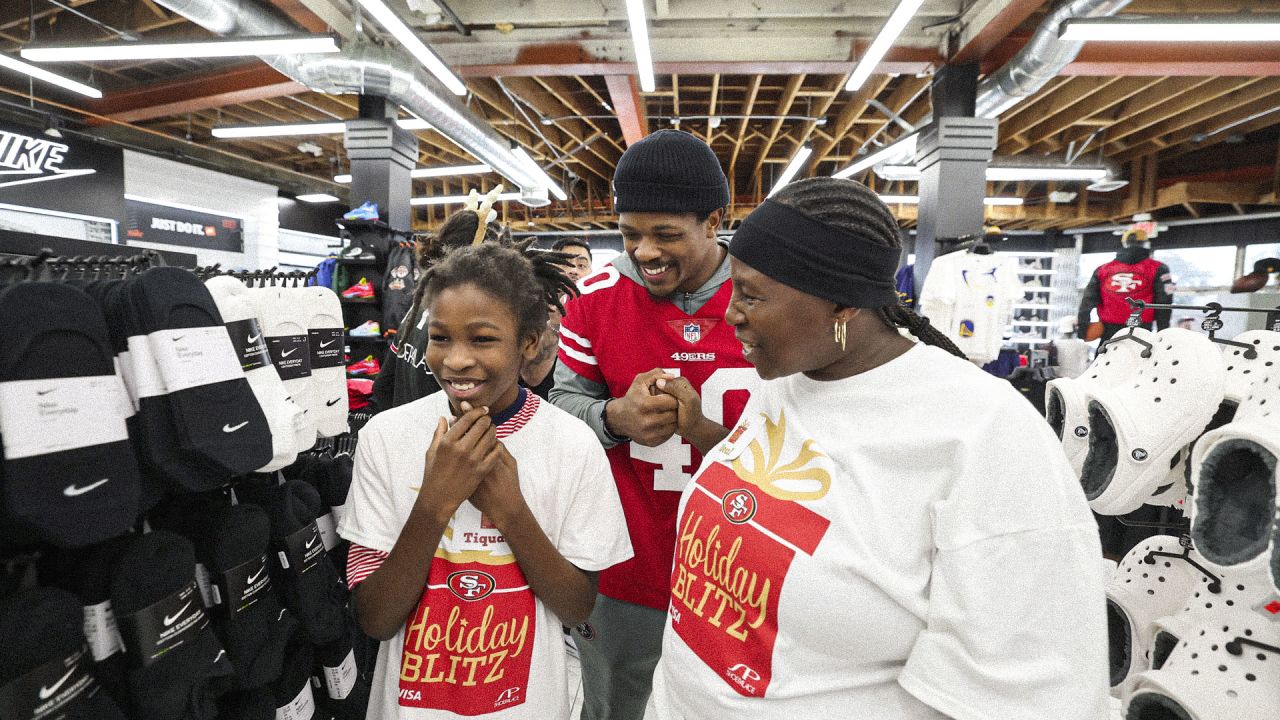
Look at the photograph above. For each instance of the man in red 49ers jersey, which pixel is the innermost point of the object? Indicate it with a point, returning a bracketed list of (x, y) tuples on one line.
[(1133, 274), (647, 328)]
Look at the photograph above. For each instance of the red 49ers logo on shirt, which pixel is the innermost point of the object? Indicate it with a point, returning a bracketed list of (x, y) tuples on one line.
[(739, 506)]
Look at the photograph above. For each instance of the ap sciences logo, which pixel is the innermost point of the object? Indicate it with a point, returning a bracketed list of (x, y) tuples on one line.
[(471, 585)]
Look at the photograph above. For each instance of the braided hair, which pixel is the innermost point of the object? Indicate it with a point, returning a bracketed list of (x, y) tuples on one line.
[(851, 205), (458, 230)]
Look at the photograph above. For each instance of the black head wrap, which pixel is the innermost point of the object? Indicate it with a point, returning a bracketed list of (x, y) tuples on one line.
[(833, 263)]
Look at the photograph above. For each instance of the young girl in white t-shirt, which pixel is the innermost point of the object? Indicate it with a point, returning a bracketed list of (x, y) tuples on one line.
[(479, 515)]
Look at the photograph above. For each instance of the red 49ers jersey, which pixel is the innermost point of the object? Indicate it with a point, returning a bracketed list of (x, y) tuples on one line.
[(1118, 280), (610, 334)]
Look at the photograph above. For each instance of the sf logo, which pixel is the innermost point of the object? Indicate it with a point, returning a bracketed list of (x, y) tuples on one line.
[(738, 506), (1125, 282), (471, 584)]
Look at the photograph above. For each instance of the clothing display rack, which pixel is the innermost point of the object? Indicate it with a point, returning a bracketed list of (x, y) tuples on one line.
[(30, 245), (259, 278)]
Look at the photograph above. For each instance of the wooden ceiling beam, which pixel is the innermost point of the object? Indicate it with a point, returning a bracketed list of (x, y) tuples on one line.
[(529, 91), (994, 25), (1065, 96), (560, 90), (624, 98), (747, 106), (852, 110), (783, 107), (1167, 99), (233, 86), (1255, 97), (1248, 123), (1099, 101)]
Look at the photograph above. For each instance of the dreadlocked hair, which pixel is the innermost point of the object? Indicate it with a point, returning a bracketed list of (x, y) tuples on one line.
[(850, 205), (527, 280), (508, 273)]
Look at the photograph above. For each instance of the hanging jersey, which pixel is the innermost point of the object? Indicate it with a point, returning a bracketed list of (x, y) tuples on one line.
[(969, 298), (610, 334), (1118, 280)]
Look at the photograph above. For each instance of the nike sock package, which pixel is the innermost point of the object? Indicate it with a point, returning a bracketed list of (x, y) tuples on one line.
[(284, 322), (157, 431), (178, 667), (217, 415), (310, 584), (46, 669), (328, 371), (283, 416), (69, 475)]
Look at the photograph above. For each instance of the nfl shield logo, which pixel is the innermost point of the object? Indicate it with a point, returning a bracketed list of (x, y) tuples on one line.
[(692, 332)]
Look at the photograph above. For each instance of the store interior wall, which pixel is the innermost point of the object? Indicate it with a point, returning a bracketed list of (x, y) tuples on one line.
[(166, 181)]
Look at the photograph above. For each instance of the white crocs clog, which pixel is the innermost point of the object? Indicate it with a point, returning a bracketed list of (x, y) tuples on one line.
[(1233, 520), (1067, 404), (1152, 581), (1227, 669), (1136, 428)]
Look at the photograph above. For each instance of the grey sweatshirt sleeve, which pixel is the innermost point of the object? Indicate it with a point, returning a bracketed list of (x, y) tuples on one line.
[(583, 399)]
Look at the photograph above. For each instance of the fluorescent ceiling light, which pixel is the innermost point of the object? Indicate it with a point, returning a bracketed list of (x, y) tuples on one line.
[(640, 40), (388, 19), (318, 198), (413, 123), (45, 75), (456, 199), (1260, 28), (537, 170), (220, 47), (903, 149), (915, 200), (893, 27), (793, 167), (250, 131), (911, 173), (1007, 174), (434, 172)]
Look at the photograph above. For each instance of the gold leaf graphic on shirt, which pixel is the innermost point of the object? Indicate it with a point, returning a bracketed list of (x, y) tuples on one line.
[(780, 479)]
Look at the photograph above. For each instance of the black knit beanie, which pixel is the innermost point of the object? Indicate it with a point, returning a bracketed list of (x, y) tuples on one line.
[(669, 171)]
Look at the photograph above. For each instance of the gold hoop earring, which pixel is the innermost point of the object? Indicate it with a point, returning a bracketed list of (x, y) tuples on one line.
[(841, 333)]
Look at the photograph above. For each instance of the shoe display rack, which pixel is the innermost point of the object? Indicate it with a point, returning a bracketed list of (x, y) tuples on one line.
[(363, 257), (1033, 323)]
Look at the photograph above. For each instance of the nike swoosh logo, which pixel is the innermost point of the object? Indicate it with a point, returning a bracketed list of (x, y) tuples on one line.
[(331, 403), (45, 392), (325, 345), (229, 428), (254, 577), (73, 491), (287, 353), (47, 692), (311, 542), (177, 338), (219, 656), (171, 619), (254, 338)]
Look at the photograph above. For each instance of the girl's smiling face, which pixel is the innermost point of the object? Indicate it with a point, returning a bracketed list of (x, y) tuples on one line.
[(475, 349)]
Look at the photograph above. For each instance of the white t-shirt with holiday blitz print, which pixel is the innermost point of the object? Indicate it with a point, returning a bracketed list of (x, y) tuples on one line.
[(480, 643), (905, 544)]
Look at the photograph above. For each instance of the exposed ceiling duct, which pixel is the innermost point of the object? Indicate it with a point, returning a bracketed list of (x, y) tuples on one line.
[(366, 69), (1040, 60)]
